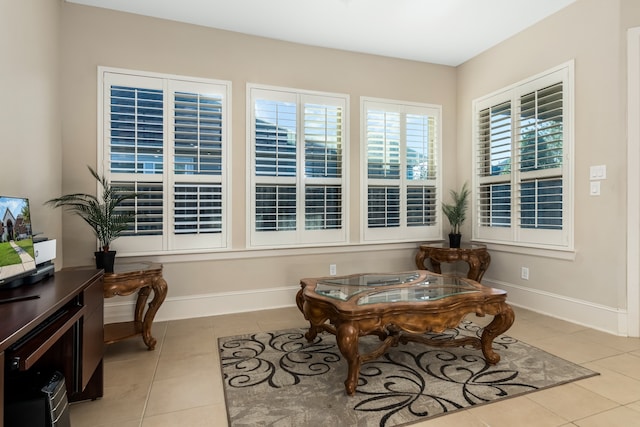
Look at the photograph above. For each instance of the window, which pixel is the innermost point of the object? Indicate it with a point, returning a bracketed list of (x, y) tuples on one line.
[(165, 138), (297, 153), (523, 156), (401, 176)]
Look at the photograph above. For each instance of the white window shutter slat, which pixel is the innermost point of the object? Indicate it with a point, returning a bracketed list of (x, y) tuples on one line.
[(522, 179)]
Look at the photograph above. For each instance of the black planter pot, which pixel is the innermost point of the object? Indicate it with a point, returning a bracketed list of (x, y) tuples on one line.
[(454, 240), (105, 260)]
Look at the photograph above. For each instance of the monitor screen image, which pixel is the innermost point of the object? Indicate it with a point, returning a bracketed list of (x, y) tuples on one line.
[(17, 256)]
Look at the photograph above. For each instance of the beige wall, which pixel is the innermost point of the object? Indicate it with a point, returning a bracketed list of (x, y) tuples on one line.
[(36, 33), (93, 37), (591, 33), (30, 144)]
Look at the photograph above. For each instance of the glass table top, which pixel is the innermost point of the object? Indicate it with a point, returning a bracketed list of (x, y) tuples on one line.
[(398, 287), (367, 280)]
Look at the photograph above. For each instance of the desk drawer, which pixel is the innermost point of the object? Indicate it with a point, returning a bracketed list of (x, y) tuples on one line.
[(27, 351)]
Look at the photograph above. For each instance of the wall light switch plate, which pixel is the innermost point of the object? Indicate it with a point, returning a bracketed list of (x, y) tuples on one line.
[(598, 172), (595, 188)]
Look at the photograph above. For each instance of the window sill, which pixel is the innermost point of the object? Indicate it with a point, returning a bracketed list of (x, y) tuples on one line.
[(561, 254), (267, 252)]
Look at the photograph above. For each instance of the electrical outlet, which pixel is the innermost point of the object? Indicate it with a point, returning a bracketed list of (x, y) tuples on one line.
[(332, 270), (524, 273)]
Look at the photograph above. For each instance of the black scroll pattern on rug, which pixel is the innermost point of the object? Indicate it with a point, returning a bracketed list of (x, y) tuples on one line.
[(409, 389), (402, 382), (296, 359)]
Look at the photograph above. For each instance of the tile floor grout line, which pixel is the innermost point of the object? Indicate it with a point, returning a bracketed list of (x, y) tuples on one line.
[(155, 371), (529, 324)]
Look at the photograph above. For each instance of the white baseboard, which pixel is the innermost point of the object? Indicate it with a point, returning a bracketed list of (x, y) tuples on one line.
[(606, 319), (207, 304)]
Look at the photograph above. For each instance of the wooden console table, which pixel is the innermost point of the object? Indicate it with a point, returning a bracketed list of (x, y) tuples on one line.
[(126, 279), (476, 256)]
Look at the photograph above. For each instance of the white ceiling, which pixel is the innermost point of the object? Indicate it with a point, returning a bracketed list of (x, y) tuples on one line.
[(445, 32)]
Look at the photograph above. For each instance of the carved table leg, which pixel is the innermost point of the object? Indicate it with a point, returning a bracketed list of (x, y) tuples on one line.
[(347, 339), (317, 318), (485, 261), (474, 272), (311, 334), (143, 295), (500, 323), (420, 257), (435, 264), (478, 264), (300, 300), (159, 287)]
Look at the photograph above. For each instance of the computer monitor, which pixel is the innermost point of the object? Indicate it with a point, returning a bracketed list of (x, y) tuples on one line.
[(17, 255)]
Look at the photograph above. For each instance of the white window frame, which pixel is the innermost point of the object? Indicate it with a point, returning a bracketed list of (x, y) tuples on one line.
[(403, 232), (300, 237), (515, 235), (168, 242)]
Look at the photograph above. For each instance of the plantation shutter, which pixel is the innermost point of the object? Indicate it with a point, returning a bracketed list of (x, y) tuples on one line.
[(494, 165), (421, 169), (383, 168), (165, 140), (540, 158), (401, 166), (323, 153), (136, 135), (297, 145), (198, 119), (275, 165), (523, 150)]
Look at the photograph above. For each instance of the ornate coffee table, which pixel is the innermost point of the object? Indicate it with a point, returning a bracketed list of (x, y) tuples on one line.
[(399, 307)]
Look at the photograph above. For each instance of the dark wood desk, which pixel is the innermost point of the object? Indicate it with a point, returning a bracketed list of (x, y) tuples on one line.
[(476, 256), (71, 344), (127, 278)]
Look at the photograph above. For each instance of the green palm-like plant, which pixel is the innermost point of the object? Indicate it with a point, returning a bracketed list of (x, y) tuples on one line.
[(101, 214), (456, 213)]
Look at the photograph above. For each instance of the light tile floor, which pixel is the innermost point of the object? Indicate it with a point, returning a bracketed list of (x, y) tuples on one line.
[(179, 384)]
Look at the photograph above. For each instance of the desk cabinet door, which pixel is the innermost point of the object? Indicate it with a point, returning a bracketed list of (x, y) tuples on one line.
[(92, 331)]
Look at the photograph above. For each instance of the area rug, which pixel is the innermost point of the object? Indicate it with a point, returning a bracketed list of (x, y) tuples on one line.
[(279, 379)]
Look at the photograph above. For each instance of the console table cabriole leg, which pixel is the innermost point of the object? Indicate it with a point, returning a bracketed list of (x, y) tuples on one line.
[(300, 301), (500, 323), (420, 257), (141, 301), (475, 272), (485, 261), (347, 339), (159, 287), (435, 264), (143, 296)]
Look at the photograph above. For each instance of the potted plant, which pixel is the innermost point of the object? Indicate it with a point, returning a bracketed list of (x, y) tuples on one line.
[(101, 214), (456, 213)]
